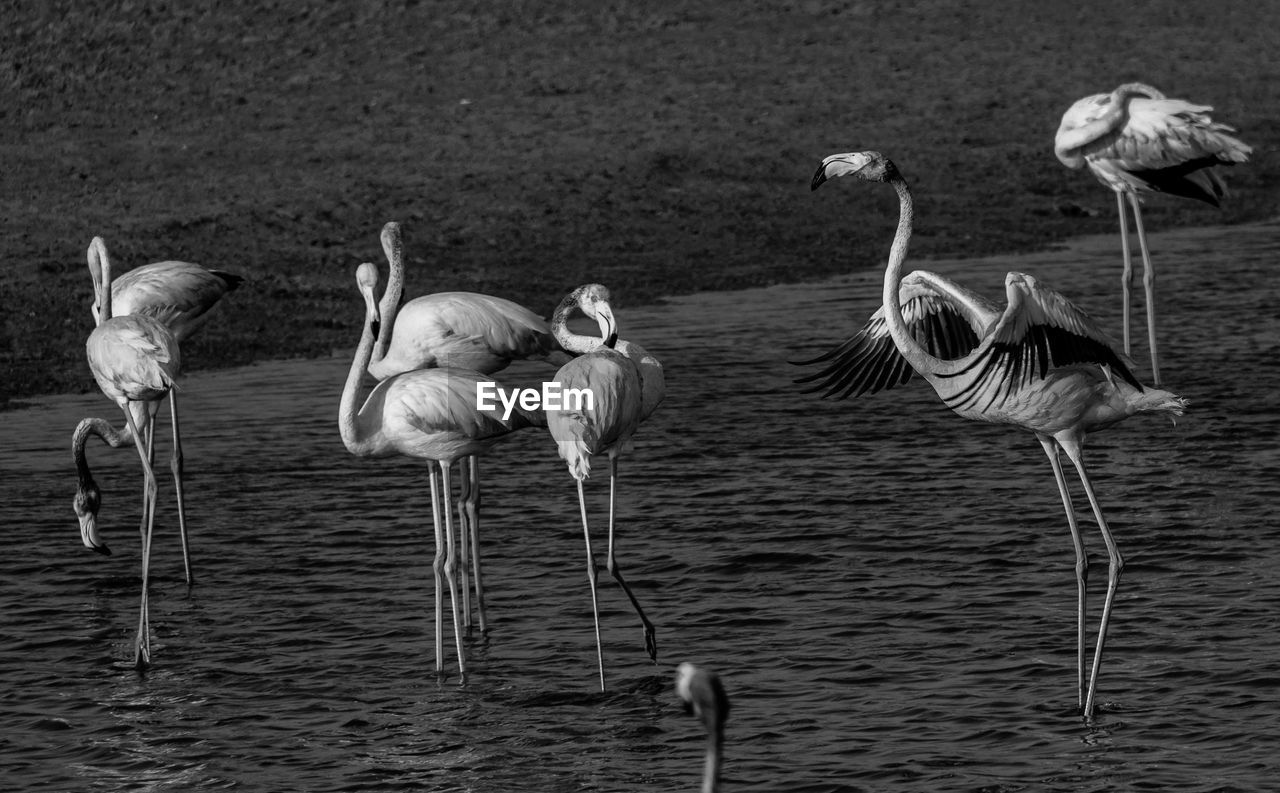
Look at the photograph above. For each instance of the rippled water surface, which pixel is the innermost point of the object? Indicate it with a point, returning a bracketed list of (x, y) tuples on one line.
[(886, 589)]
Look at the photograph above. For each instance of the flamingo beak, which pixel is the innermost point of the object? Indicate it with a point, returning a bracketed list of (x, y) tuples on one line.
[(608, 325)]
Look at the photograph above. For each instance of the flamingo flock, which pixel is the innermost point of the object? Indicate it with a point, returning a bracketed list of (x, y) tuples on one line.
[(1037, 362)]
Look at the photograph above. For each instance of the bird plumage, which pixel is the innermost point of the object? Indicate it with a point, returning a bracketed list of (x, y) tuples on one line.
[(1136, 141), (1039, 363), (177, 294), (464, 329)]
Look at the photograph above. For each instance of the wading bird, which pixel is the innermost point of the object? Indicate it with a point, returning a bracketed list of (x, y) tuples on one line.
[(135, 360), (604, 425), (1039, 363), (703, 695), (1136, 141), (430, 414), (462, 329), (179, 296)]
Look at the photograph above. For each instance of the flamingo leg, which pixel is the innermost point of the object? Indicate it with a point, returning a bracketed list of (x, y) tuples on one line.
[(1115, 566), (175, 465), (464, 531), (437, 567), (142, 644), (592, 577), (451, 566), (1082, 560), (1149, 284), (1126, 275), (650, 641), (473, 519)]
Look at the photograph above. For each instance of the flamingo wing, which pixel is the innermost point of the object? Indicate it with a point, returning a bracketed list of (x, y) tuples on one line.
[(1166, 145), (178, 294), (477, 331), (947, 319), (1040, 330)]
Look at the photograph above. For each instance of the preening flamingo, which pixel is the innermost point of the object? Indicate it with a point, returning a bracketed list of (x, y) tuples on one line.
[(1039, 363), (430, 414), (605, 425), (1136, 141), (179, 295), (135, 360), (462, 329), (703, 695)]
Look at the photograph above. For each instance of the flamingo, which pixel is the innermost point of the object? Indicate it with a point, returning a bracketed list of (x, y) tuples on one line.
[(1137, 141), (1040, 363), (135, 360), (464, 329), (605, 424), (703, 696), (429, 414), (179, 295)]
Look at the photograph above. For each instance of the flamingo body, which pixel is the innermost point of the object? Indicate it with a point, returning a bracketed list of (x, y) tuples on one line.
[(178, 294), (464, 329), (1040, 363)]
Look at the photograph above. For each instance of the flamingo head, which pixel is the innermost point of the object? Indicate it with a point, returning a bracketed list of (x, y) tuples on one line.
[(593, 299), (367, 281), (87, 502), (871, 166)]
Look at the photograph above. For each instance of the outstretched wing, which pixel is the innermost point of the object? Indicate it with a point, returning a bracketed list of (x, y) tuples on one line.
[(1039, 330), (945, 318)]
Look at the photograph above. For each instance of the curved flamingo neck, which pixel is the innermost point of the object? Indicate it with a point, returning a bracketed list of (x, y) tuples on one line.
[(570, 341), (715, 754), (359, 441), (389, 306), (115, 438), (906, 343)]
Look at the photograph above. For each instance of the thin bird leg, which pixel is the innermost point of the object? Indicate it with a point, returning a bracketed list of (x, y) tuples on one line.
[(591, 576), (451, 567), (437, 566), (1126, 275), (1115, 566), (473, 519), (464, 563), (1149, 283), (175, 465), (650, 641), (1082, 560), (142, 644)]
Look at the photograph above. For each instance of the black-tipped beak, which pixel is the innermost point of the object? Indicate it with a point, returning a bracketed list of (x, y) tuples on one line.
[(612, 340), (102, 549), (819, 177)]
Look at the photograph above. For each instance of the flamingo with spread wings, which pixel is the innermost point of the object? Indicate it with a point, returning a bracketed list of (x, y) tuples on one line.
[(1137, 141), (1039, 363)]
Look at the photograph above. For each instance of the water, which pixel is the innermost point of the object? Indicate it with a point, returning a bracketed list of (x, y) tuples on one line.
[(886, 589)]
